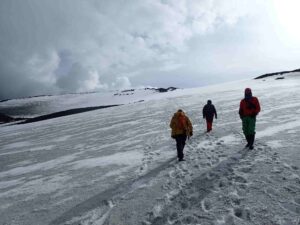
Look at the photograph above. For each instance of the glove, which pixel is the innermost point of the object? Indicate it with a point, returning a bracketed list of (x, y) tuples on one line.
[(253, 115)]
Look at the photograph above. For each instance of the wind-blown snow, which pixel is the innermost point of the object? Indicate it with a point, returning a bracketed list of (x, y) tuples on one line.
[(118, 165)]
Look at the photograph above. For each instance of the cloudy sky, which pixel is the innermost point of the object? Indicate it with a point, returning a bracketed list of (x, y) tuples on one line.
[(54, 46)]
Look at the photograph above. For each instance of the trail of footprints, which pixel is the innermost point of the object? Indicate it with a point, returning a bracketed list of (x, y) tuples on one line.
[(149, 157), (180, 177), (225, 196)]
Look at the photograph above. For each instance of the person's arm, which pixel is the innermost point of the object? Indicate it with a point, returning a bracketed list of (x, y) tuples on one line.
[(172, 123), (257, 106), (216, 115), (190, 127), (204, 112), (241, 110)]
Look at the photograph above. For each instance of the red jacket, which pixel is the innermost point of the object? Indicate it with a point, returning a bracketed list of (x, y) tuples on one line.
[(249, 107)]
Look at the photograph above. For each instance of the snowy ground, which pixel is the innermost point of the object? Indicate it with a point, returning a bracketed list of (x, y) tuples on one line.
[(117, 165)]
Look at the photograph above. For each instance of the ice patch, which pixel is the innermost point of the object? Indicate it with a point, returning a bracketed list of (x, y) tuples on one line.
[(39, 148), (20, 144), (274, 144), (96, 216), (54, 163), (63, 138), (38, 186), (10, 183), (130, 158), (229, 139), (270, 131), (42, 148)]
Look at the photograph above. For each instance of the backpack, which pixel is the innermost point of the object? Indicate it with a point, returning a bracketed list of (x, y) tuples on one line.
[(181, 122)]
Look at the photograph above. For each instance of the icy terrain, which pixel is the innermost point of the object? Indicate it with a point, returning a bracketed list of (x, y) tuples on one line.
[(118, 165)]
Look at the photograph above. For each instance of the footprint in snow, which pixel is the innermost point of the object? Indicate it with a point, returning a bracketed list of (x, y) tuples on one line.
[(190, 220), (221, 142), (272, 192), (291, 207), (171, 174), (206, 205), (295, 167), (240, 179), (242, 214), (277, 170), (245, 169), (147, 147), (297, 201)]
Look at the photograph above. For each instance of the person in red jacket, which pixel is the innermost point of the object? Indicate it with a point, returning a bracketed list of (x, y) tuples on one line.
[(249, 108)]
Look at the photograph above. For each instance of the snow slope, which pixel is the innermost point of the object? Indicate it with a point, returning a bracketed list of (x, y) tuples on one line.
[(37, 106), (118, 166)]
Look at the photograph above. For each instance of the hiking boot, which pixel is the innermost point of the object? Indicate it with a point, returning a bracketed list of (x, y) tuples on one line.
[(251, 141), (181, 160), (248, 141)]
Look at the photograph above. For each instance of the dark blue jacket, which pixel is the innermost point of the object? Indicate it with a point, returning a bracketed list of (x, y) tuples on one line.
[(209, 111)]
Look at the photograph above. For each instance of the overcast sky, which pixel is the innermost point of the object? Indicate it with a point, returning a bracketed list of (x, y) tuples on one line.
[(54, 46)]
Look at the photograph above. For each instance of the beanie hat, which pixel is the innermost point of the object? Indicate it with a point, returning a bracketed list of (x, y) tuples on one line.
[(248, 93)]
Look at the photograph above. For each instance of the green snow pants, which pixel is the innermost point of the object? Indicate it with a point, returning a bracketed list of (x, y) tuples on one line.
[(248, 125)]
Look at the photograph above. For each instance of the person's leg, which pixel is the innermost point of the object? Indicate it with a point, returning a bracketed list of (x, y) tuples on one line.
[(248, 141), (178, 146), (252, 122), (208, 125), (245, 126), (182, 139), (211, 123)]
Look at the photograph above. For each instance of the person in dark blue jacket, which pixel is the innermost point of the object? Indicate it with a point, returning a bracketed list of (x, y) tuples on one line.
[(209, 112)]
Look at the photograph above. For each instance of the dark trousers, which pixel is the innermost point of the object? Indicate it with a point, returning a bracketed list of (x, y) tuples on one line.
[(180, 143)]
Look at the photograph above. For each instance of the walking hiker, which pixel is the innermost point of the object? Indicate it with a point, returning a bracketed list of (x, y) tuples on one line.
[(249, 108), (209, 112), (181, 129)]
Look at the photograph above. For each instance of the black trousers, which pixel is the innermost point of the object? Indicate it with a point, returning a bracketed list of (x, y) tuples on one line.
[(180, 143)]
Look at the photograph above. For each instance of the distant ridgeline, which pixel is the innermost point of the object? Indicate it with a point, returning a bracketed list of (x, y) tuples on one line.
[(161, 90), (277, 73)]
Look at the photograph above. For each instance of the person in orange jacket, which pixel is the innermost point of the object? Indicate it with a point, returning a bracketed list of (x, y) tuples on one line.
[(181, 129), (249, 109)]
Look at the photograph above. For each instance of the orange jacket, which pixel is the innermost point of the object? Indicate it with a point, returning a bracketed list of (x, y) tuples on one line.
[(176, 129), (249, 107)]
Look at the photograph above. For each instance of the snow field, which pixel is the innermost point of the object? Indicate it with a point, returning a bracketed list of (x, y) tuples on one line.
[(118, 165)]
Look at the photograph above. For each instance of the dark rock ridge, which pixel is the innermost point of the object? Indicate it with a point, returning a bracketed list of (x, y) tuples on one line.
[(131, 91), (277, 73), (162, 89), (64, 113), (7, 119)]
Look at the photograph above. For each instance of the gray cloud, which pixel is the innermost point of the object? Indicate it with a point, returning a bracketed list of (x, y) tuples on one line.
[(67, 46)]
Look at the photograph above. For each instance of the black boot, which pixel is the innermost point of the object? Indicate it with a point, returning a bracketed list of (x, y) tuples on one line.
[(251, 143), (248, 141)]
